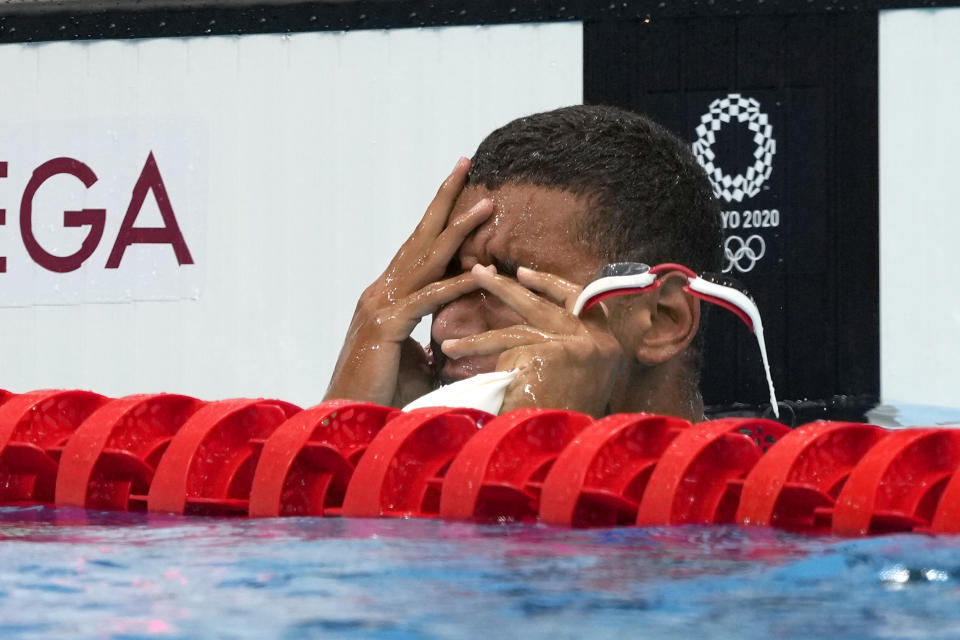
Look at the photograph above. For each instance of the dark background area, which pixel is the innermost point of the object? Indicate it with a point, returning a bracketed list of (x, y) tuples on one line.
[(34, 20), (816, 76)]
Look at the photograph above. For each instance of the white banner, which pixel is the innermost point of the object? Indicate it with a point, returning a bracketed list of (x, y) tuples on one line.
[(102, 211)]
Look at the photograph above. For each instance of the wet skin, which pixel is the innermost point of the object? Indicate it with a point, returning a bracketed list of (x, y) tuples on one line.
[(520, 317), (500, 270), (531, 227), (379, 362), (485, 320)]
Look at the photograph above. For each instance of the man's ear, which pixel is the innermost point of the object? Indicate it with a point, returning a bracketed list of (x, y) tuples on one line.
[(660, 324)]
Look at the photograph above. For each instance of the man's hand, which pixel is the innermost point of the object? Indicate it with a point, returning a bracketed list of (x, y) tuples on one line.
[(564, 361), (379, 361)]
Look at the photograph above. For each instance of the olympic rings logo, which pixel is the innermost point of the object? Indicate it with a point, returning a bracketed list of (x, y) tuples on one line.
[(722, 111), (743, 254)]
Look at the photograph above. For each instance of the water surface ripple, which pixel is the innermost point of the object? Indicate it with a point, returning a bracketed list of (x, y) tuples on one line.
[(72, 574)]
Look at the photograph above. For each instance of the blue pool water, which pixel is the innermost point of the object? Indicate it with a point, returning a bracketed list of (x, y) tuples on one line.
[(73, 574)]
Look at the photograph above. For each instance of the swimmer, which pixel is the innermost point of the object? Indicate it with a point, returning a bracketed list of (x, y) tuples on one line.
[(507, 245)]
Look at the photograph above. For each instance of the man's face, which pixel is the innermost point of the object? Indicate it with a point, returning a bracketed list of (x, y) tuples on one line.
[(531, 226)]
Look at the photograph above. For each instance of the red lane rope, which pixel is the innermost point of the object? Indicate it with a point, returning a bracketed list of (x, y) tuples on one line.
[(246, 457)]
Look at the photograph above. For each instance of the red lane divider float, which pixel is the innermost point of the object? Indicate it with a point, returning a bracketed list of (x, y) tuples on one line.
[(34, 427), (209, 464), (600, 478), (699, 477), (898, 483), (401, 473), (307, 463), (796, 483), (499, 472), (109, 461), (172, 453), (947, 517)]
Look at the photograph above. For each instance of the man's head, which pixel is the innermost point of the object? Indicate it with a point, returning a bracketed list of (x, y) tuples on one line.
[(574, 189), (649, 200)]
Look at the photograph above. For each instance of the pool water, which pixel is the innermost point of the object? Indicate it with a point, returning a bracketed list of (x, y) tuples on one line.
[(72, 574)]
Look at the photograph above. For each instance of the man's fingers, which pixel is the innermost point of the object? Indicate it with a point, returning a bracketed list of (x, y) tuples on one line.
[(422, 255), (449, 241), (534, 309), (495, 341), (431, 297), (437, 213), (561, 291)]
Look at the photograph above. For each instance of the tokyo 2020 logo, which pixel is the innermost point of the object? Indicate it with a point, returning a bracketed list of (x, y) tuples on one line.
[(721, 112)]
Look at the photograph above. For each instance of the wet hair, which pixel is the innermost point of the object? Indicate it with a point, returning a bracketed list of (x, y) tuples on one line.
[(648, 198)]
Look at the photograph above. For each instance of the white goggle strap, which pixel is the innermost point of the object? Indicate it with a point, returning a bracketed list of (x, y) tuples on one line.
[(718, 293), (610, 286)]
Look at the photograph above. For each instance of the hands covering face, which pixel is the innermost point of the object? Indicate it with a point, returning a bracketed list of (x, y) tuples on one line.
[(379, 361), (564, 361)]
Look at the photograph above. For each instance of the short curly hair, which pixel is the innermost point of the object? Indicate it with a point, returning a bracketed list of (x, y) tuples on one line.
[(652, 202)]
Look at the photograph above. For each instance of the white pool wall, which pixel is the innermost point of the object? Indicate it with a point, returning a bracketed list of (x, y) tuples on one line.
[(920, 206)]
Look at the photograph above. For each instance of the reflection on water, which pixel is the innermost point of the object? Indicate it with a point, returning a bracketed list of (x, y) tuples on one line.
[(73, 574)]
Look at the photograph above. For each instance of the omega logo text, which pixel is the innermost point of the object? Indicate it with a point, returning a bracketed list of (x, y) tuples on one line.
[(94, 220)]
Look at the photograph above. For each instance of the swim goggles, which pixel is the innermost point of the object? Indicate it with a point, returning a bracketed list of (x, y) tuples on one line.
[(486, 391), (629, 278)]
